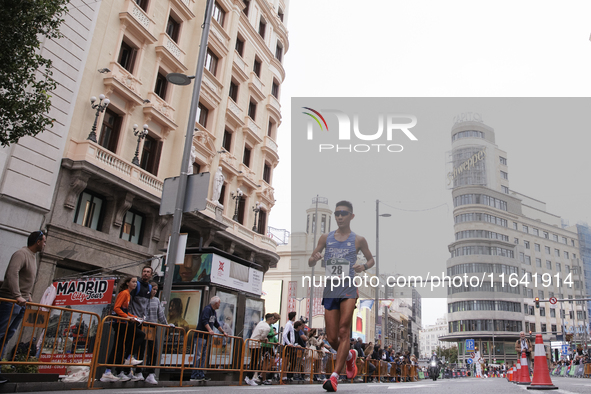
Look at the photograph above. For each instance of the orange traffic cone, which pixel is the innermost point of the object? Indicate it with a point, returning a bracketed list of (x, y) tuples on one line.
[(517, 372), (541, 380), (524, 375), (510, 374)]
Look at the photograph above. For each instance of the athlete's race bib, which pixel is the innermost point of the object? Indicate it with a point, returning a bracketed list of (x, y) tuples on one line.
[(337, 267)]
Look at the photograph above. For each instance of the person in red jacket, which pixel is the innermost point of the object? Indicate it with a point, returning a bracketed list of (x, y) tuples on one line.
[(127, 333)]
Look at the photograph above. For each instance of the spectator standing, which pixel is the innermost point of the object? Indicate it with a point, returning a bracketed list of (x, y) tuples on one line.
[(270, 348), (18, 285), (207, 320), (289, 339), (140, 300), (522, 344), (288, 333), (128, 336), (155, 315), (301, 339), (259, 334)]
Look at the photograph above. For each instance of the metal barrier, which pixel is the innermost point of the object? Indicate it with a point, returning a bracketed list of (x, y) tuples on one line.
[(292, 362), (65, 337), (213, 352), (132, 339), (259, 357)]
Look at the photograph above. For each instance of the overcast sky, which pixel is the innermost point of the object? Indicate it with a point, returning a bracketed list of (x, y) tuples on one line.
[(390, 48)]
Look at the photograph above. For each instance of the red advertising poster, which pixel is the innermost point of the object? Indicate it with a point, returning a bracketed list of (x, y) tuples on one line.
[(70, 335), (84, 292), (291, 296)]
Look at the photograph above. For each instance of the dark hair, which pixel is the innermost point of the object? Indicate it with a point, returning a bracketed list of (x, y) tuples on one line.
[(291, 315), (148, 266), (345, 204), (297, 324), (34, 237), (125, 284), (153, 283)]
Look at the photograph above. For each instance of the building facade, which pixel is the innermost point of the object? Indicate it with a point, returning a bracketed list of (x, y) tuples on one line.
[(429, 338), (515, 243), (105, 209), (584, 232), (29, 169)]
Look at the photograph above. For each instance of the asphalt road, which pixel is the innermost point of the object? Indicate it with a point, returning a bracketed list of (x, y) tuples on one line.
[(463, 386)]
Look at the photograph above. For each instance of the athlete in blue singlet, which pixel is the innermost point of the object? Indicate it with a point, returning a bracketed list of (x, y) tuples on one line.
[(342, 247)]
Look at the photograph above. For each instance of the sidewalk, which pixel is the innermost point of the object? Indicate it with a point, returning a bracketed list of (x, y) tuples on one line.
[(29, 387)]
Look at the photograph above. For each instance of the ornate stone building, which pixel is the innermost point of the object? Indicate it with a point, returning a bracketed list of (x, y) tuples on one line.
[(105, 209)]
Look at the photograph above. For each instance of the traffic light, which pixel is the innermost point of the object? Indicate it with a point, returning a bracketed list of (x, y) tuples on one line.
[(537, 301)]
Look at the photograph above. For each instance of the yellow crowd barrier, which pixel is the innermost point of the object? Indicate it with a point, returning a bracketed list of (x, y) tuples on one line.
[(260, 357), (54, 337), (213, 352), (67, 337), (132, 338)]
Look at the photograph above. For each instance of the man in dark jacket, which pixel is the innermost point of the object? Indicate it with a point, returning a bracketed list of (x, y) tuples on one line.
[(139, 305), (207, 320)]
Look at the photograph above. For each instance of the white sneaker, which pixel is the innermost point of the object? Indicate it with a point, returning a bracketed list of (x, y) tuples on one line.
[(123, 377), (109, 377), (136, 377), (132, 361), (250, 382), (151, 379)]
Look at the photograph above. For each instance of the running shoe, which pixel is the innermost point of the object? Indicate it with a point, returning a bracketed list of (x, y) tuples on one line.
[(109, 377), (330, 385), (123, 377), (151, 379), (351, 366), (132, 361)]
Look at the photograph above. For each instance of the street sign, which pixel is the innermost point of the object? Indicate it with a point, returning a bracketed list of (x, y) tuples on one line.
[(195, 196), (469, 361), (564, 350), (553, 300), (470, 343)]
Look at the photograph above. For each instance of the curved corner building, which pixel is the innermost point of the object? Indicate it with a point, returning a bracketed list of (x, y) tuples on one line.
[(506, 238)]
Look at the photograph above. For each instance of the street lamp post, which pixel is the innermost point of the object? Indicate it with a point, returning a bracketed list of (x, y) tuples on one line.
[(315, 227), (377, 290), (236, 197), (256, 209), (184, 175), (140, 134), (100, 107)]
